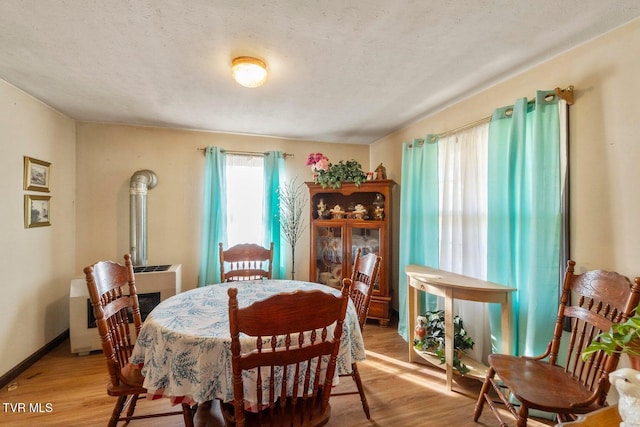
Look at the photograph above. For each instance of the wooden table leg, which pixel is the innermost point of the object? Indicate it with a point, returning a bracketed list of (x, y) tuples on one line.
[(448, 336), (412, 302), (507, 321)]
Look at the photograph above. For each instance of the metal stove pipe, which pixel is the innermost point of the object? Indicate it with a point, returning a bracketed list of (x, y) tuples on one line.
[(141, 182)]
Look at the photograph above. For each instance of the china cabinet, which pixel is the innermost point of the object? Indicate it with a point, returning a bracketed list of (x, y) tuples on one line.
[(343, 220)]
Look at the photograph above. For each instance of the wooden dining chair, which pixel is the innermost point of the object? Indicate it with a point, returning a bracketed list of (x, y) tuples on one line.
[(246, 261), (363, 277), (290, 364), (112, 292), (365, 272), (565, 386)]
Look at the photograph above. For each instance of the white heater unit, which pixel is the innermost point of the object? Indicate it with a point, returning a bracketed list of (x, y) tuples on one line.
[(153, 283)]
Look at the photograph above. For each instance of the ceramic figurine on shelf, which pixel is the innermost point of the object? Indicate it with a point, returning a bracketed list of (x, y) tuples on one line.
[(421, 328), (322, 209), (381, 172), (359, 211), (378, 211), (337, 212)]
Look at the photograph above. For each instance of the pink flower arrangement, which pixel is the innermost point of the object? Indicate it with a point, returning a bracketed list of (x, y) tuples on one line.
[(318, 161)]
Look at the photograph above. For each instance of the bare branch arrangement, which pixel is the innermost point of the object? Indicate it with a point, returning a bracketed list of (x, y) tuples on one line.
[(292, 202)]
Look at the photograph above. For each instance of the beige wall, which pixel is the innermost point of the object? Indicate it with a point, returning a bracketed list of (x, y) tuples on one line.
[(604, 147), (109, 154), (36, 263)]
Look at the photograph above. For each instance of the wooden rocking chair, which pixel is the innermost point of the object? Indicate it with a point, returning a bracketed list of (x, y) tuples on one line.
[(565, 387)]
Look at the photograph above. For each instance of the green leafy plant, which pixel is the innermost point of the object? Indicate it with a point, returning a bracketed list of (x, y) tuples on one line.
[(433, 340), (622, 338), (349, 171)]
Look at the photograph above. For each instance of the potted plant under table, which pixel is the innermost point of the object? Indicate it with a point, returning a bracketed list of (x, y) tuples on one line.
[(430, 337)]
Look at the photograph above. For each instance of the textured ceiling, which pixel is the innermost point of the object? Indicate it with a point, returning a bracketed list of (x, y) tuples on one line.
[(343, 71)]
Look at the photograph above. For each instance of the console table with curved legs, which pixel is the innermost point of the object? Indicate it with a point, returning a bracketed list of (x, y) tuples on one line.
[(455, 286)]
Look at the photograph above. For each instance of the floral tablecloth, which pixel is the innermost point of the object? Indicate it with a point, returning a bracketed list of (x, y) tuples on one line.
[(185, 345)]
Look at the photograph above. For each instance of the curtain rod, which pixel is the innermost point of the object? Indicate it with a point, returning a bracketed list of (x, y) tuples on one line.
[(247, 153), (566, 94)]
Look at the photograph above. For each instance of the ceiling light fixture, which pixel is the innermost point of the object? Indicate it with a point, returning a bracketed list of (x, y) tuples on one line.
[(248, 71)]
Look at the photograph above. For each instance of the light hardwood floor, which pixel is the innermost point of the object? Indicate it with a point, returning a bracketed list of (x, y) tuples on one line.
[(71, 392)]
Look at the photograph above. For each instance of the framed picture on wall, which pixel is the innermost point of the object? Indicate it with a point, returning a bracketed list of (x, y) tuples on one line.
[(37, 211), (37, 174)]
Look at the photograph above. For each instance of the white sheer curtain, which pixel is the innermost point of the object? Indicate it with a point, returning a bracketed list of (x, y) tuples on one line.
[(245, 192), (462, 159)]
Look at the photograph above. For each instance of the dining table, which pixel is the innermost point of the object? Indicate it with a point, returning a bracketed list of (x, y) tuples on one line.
[(184, 345)]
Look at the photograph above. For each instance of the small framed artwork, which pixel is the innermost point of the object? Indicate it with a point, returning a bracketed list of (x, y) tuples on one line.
[(37, 211), (37, 174)]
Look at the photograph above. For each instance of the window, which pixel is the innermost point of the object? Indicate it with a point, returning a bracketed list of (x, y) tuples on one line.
[(505, 217), (245, 193)]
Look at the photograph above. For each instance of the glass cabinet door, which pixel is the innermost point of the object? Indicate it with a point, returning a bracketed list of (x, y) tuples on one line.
[(328, 254), (367, 238)]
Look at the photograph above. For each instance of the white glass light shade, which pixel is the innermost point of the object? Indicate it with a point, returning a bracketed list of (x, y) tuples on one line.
[(249, 72)]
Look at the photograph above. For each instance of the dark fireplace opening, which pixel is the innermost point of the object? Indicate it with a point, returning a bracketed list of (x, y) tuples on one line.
[(147, 302)]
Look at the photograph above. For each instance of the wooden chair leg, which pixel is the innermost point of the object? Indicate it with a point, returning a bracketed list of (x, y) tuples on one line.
[(483, 392), (188, 414), (117, 410), (132, 405), (523, 415), (356, 378)]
